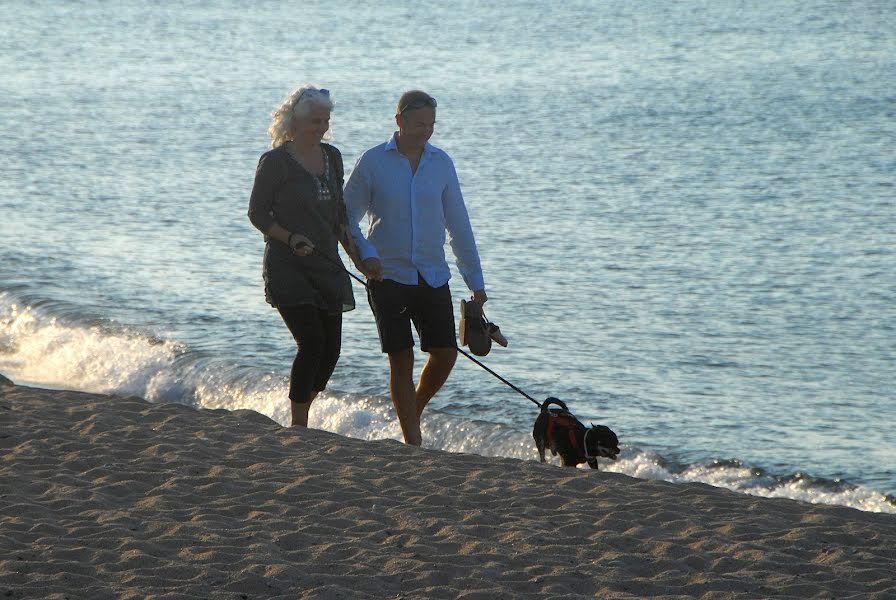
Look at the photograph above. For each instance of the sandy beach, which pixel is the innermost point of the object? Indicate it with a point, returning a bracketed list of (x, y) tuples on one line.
[(112, 497)]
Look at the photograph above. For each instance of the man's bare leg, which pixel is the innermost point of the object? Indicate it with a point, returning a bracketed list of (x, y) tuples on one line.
[(401, 387), (434, 375)]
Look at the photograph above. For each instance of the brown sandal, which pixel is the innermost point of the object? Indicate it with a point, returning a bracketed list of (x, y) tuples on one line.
[(473, 330)]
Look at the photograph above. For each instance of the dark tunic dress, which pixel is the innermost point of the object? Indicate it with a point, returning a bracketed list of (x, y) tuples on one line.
[(299, 201)]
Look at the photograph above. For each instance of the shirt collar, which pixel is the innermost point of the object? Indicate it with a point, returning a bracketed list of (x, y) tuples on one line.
[(392, 144)]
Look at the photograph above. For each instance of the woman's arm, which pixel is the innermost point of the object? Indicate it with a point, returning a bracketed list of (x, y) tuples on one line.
[(261, 207)]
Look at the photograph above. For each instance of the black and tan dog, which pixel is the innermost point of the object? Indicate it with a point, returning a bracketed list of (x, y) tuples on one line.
[(558, 430)]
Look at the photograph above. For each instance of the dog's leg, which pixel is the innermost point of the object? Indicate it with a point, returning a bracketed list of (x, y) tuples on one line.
[(539, 434)]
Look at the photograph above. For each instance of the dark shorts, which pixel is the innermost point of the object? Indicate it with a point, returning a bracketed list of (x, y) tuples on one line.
[(395, 306)]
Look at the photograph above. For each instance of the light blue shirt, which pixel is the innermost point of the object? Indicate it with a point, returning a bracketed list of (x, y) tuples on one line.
[(409, 215)]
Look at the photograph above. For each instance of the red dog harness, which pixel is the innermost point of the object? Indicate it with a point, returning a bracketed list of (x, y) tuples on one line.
[(565, 421)]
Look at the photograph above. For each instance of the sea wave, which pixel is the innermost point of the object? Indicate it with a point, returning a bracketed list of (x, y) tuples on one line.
[(44, 344)]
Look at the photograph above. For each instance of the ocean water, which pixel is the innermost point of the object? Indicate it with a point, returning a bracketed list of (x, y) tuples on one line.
[(686, 214)]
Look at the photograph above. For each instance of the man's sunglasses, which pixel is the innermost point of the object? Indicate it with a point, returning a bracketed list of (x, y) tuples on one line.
[(415, 104)]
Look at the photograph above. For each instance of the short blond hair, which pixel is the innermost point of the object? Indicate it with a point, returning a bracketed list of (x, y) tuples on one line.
[(413, 97)]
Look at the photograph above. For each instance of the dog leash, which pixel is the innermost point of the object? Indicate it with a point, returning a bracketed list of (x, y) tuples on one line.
[(459, 349)]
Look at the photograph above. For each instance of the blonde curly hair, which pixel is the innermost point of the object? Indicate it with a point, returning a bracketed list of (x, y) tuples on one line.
[(296, 106)]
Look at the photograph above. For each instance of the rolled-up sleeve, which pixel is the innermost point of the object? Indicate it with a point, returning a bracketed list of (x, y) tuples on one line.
[(261, 202)]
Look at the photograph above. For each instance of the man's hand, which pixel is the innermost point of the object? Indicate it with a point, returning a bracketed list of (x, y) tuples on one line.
[(372, 268), (480, 296)]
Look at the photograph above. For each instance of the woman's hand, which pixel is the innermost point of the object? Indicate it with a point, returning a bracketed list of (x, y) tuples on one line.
[(480, 296), (300, 245)]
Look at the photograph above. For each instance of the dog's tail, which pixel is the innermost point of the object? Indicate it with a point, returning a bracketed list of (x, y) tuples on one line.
[(551, 400)]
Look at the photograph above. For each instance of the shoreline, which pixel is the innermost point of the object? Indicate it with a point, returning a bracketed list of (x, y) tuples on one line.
[(114, 497)]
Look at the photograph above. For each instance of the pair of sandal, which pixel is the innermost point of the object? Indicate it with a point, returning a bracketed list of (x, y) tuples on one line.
[(476, 331)]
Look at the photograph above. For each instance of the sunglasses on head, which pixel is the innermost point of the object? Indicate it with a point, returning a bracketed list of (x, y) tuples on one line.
[(415, 104), (321, 91)]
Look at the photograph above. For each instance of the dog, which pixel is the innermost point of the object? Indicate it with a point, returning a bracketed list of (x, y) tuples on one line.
[(557, 429)]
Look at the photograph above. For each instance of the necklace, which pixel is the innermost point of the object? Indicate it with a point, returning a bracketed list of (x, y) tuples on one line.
[(291, 149)]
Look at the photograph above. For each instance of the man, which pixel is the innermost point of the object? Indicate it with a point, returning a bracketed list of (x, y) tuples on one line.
[(409, 190)]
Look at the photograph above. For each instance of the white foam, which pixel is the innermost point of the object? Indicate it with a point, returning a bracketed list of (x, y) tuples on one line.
[(47, 350), (742, 479)]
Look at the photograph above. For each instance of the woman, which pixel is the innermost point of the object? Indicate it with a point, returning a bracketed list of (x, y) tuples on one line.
[(297, 204)]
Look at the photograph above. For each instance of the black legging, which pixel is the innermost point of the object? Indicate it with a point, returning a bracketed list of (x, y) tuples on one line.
[(319, 338)]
